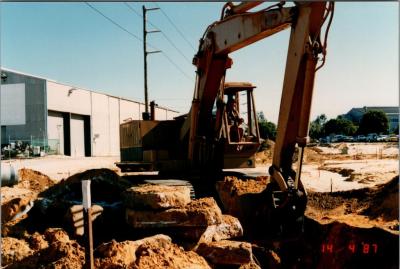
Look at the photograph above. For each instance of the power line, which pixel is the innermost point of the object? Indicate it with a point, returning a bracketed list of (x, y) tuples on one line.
[(177, 67), (165, 36), (134, 10), (114, 22), (139, 39), (176, 28)]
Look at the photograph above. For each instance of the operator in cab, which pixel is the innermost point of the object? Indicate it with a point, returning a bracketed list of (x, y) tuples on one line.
[(234, 121)]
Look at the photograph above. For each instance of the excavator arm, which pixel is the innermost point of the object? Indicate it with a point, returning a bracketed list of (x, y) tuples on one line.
[(239, 28)]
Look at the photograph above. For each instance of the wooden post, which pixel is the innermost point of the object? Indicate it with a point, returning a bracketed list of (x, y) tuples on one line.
[(146, 100), (87, 222), (145, 115)]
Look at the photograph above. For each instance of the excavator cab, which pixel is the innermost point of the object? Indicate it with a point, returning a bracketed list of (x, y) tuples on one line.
[(239, 125)]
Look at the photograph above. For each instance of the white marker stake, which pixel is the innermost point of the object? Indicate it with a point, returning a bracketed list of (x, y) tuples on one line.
[(87, 219), (86, 199)]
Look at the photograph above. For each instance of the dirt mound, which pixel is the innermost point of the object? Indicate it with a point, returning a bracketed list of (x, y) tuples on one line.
[(385, 202), (37, 241), (241, 186), (14, 201), (171, 256), (376, 207), (59, 252), (34, 180), (266, 152), (313, 155), (152, 252), (14, 250), (106, 185), (244, 199), (339, 245), (52, 207)]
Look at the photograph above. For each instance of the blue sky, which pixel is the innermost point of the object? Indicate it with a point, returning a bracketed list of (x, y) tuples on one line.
[(71, 43)]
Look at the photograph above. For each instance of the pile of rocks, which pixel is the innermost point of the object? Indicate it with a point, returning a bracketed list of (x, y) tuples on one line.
[(199, 222)]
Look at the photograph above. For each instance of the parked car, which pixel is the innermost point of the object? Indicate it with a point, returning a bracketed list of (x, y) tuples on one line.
[(348, 139), (394, 138), (361, 138), (338, 138), (324, 140), (382, 138), (373, 137)]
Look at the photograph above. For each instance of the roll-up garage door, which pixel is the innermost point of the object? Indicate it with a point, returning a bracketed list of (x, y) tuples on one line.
[(55, 132), (77, 136)]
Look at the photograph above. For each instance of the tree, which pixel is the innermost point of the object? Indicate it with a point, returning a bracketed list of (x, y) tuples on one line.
[(339, 125), (374, 121), (317, 126), (267, 128)]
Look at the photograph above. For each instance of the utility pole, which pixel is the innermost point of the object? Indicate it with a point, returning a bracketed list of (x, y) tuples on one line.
[(146, 115)]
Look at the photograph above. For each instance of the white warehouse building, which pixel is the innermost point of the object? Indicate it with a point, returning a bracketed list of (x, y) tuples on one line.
[(65, 119)]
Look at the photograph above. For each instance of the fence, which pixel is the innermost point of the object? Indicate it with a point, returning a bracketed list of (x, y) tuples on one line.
[(50, 146)]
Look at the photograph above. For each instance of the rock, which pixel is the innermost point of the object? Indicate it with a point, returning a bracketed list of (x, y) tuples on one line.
[(152, 196), (230, 228), (226, 252), (113, 254), (198, 213), (74, 216), (13, 250)]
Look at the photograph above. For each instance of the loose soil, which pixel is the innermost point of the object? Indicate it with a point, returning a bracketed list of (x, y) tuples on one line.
[(361, 208), (34, 180), (344, 229)]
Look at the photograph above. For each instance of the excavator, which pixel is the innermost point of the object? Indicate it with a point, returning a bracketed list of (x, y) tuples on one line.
[(221, 130)]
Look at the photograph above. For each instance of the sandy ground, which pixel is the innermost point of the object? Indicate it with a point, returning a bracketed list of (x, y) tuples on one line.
[(366, 173), (59, 167), (328, 169), (388, 149), (317, 178)]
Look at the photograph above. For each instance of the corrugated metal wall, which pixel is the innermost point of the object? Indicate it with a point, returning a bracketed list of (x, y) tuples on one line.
[(35, 110), (106, 113)]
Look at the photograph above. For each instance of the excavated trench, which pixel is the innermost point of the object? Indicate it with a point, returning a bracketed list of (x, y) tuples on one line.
[(328, 240)]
